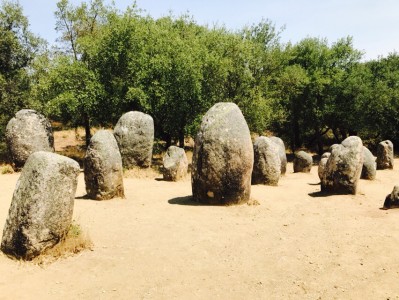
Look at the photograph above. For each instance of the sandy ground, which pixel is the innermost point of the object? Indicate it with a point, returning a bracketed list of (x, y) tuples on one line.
[(158, 244)]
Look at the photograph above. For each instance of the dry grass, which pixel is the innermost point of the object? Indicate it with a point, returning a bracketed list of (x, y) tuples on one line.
[(147, 173), (75, 242), (6, 169)]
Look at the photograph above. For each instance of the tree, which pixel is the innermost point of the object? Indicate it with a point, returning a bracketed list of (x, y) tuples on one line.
[(18, 48)]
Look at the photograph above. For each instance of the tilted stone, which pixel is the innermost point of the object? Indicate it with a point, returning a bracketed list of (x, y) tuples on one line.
[(134, 134), (392, 200), (385, 155), (41, 210), (27, 133), (302, 162), (369, 169), (267, 164), (223, 157), (344, 167), (103, 167), (281, 152)]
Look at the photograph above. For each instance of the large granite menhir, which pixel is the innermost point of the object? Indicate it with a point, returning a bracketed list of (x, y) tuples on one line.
[(41, 209), (27, 133), (134, 134), (103, 167), (223, 157)]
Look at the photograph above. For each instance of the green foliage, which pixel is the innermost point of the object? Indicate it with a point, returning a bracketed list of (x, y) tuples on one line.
[(110, 62), (18, 48)]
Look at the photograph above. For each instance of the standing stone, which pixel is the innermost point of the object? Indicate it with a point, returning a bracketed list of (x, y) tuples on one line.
[(134, 134), (322, 164), (369, 169), (267, 164), (26, 133), (281, 152), (41, 210), (223, 157), (103, 167), (392, 200), (175, 164), (344, 167), (385, 159), (302, 162)]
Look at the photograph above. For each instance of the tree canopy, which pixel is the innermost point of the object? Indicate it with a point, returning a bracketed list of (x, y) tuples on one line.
[(108, 62)]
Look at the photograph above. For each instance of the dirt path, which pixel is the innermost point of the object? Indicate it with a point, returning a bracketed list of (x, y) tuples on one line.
[(157, 244)]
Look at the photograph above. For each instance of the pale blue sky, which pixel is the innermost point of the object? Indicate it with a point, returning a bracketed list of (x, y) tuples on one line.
[(374, 25)]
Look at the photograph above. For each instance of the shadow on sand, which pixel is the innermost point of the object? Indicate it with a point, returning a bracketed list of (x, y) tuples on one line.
[(320, 194), (187, 200)]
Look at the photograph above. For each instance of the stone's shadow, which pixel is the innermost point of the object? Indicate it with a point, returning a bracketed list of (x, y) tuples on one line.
[(160, 179), (187, 200), (320, 194), (314, 183), (85, 197)]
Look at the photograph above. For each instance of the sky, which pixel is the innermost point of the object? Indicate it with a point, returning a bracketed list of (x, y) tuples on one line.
[(374, 25)]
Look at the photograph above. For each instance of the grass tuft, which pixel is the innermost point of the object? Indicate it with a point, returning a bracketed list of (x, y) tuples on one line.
[(74, 242)]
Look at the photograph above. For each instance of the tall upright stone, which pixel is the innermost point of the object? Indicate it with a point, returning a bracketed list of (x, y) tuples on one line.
[(223, 157), (281, 152), (103, 167), (175, 164), (41, 210), (344, 167), (27, 133), (267, 163), (134, 134), (385, 155), (369, 169)]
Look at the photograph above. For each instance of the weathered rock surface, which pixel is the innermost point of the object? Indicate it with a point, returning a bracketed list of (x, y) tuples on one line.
[(322, 164), (27, 133), (134, 134), (281, 152), (392, 200), (302, 162), (369, 169), (175, 164), (41, 210), (103, 167), (385, 155), (223, 157), (267, 164), (344, 167)]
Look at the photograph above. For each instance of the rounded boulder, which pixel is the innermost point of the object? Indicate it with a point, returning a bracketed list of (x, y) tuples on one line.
[(302, 162), (134, 134), (175, 164), (27, 133), (267, 163), (344, 167)]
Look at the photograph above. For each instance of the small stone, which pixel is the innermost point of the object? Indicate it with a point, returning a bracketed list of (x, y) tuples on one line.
[(302, 162), (175, 164), (385, 155)]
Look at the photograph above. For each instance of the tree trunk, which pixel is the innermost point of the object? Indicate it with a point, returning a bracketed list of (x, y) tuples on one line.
[(87, 129), (181, 139)]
